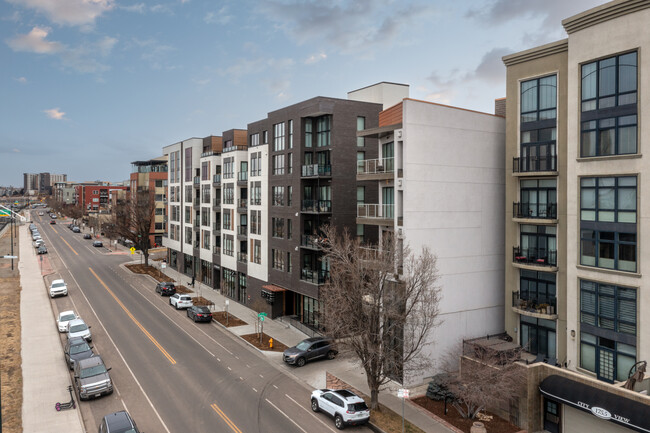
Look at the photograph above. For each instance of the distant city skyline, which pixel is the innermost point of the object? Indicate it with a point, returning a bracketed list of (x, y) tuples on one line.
[(91, 86)]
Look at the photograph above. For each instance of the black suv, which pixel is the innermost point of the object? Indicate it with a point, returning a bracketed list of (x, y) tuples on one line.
[(118, 422), (166, 289), (308, 350)]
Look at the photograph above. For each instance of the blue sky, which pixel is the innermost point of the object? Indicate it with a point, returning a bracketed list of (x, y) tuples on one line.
[(87, 86)]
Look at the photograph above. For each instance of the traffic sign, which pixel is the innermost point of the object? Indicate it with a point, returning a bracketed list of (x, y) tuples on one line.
[(132, 249), (261, 318), (403, 393), (262, 314)]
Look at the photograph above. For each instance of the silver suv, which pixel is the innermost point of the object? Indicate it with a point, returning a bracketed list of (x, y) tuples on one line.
[(91, 378), (346, 407)]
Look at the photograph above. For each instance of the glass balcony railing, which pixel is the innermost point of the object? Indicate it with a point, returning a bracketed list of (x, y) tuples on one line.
[(242, 176), (216, 179), (378, 211), (319, 206), (315, 276), (312, 170), (242, 257), (242, 230), (376, 166)]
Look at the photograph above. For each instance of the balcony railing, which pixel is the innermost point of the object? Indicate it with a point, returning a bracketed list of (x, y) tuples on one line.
[(216, 203), (318, 276), (234, 148), (216, 179), (197, 222), (534, 256), (197, 180), (312, 170), (379, 211), (242, 257), (376, 166), (313, 241), (527, 164), (197, 244), (197, 201), (216, 249), (216, 225), (534, 210), (242, 176), (540, 305), (243, 203), (230, 253), (318, 206), (242, 230)]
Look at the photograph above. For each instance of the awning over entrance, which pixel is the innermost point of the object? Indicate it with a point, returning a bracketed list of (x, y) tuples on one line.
[(607, 406), (272, 288)]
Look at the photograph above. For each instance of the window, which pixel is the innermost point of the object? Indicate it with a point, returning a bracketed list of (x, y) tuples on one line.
[(360, 232), (538, 100), (361, 195), (175, 213), (205, 217), (205, 194), (242, 288), (255, 139), (278, 137), (158, 183), (288, 262), (537, 288), (538, 199), (256, 222), (278, 195), (289, 163), (188, 235), (205, 244), (229, 282), (265, 137), (607, 329), (188, 164), (205, 170), (608, 222), (256, 163), (228, 245), (160, 211), (229, 194), (188, 193), (308, 133), (289, 195), (228, 168), (256, 193), (323, 127), (227, 219), (290, 134), (278, 164), (538, 336), (257, 251), (188, 215), (277, 227), (538, 244), (289, 228), (361, 125), (609, 106), (278, 259)]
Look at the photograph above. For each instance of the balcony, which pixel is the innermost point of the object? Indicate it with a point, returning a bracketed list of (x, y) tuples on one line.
[(312, 242), (197, 180), (242, 257), (216, 227), (242, 177), (317, 206), (234, 148), (216, 179), (318, 276), (197, 244), (541, 308), (197, 223), (242, 230), (197, 201), (316, 170), (216, 204), (376, 169), (534, 211), (534, 257), (376, 214), (216, 249), (242, 205), (227, 252), (535, 164)]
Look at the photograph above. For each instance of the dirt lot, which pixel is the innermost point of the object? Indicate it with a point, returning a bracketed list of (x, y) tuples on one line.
[(11, 375)]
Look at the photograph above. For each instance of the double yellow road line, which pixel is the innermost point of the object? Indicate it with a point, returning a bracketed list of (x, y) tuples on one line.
[(128, 313), (225, 418)]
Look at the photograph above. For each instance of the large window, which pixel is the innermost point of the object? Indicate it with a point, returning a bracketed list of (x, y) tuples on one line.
[(361, 125), (278, 136), (609, 106), (229, 245), (323, 130), (230, 283), (229, 194), (278, 164), (538, 336), (538, 199), (608, 222), (277, 226), (278, 259), (538, 244), (308, 133), (188, 164), (607, 329), (538, 124), (537, 288), (278, 195)]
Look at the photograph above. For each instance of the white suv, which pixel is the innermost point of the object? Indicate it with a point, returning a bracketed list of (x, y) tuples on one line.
[(58, 287), (180, 301), (346, 407)]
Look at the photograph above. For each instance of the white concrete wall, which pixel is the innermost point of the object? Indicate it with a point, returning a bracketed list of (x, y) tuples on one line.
[(604, 40), (387, 94), (260, 271), (453, 201)]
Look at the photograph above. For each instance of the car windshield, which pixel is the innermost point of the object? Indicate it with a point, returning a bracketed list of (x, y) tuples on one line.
[(67, 317), (303, 345), (92, 371), (357, 407), (57, 285), (78, 328), (78, 348), (203, 310)]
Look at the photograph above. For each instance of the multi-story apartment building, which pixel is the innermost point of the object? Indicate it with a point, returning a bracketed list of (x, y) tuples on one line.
[(95, 196), (64, 192), (151, 176), (41, 183), (577, 225), (438, 172)]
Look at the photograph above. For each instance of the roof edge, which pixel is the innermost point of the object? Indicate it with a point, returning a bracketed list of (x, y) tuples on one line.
[(603, 13), (536, 53)]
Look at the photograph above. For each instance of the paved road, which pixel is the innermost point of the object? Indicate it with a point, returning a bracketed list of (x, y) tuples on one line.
[(171, 374)]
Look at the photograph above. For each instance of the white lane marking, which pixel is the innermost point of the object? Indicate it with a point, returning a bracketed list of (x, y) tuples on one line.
[(309, 412), (218, 360), (261, 376), (229, 368), (248, 366), (254, 390), (275, 387), (241, 378), (285, 415)]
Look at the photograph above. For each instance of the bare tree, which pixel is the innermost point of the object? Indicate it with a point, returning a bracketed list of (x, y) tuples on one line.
[(484, 378), (132, 220), (382, 303)]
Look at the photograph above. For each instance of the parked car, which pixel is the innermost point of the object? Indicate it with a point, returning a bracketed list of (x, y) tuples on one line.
[(41, 213), (78, 328), (118, 422), (180, 301), (308, 350), (87, 236), (98, 244), (75, 350), (53, 216), (64, 318), (52, 222), (38, 243), (91, 378), (344, 406), (199, 314), (36, 236), (42, 250), (58, 287), (166, 288), (76, 229)]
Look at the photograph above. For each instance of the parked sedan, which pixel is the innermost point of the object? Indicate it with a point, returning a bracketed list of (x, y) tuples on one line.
[(42, 250), (64, 318), (76, 229), (199, 314), (78, 328), (98, 244), (308, 350), (166, 288), (180, 301), (87, 236), (75, 350), (58, 287)]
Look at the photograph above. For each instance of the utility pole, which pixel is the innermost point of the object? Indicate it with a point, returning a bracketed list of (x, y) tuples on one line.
[(11, 228)]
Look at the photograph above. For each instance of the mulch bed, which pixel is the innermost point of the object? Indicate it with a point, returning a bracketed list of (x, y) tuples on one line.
[(149, 270), (254, 339), (220, 316), (496, 425), (181, 289), (200, 301)]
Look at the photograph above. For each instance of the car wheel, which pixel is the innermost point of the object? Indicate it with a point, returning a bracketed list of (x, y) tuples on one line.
[(314, 405), (188, 313), (176, 305), (338, 422), (331, 354), (300, 362)]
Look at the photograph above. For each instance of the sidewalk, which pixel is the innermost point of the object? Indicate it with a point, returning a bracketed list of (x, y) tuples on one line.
[(45, 374), (348, 370)]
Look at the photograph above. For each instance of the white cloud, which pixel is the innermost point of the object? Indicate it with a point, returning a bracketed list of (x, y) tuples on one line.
[(160, 8), (69, 12), (138, 8), (35, 42), (315, 58), (55, 113), (21, 80), (220, 17)]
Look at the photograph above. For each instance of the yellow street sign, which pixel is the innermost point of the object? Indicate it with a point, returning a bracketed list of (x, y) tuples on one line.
[(132, 250)]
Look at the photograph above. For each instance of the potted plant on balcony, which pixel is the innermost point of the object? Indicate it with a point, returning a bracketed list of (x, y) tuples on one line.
[(542, 308)]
